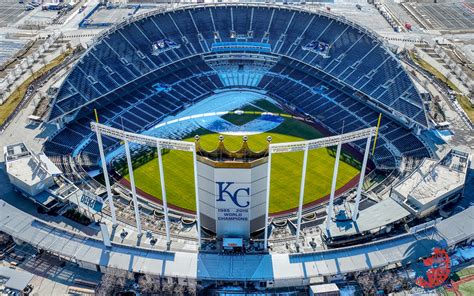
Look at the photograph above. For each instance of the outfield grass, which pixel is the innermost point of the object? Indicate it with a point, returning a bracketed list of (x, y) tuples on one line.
[(285, 175)]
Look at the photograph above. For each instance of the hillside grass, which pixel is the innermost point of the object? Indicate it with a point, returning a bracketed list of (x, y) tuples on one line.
[(462, 100)]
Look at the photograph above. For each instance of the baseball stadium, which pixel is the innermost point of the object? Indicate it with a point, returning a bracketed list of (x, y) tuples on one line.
[(233, 148), (277, 70)]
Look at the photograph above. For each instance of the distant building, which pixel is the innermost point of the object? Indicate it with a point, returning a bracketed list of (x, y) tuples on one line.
[(433, 184)]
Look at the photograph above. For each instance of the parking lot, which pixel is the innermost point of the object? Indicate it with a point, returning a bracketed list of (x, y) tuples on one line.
[(447, 16), (10, 12), (9, 48), (51, 276)]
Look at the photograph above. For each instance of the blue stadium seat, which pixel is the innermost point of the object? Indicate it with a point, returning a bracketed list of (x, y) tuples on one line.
[(116, 76)]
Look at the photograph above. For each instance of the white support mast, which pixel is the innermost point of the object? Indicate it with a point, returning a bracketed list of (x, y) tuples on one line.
[(333, 186), (300, 204), (355, 212), (163, 192), (267, 199), (106, 178), (132, 185), (196, 188)]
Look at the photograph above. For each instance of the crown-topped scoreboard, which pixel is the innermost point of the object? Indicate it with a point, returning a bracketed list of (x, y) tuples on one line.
[(232, 189)]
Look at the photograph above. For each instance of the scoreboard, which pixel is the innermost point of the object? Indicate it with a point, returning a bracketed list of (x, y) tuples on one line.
[(232, 196)]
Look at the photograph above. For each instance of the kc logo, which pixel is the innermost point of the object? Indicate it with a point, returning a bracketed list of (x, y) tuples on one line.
[(224, 189)]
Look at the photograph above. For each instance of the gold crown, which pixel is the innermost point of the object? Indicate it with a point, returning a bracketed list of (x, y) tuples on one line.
[(221, 153)]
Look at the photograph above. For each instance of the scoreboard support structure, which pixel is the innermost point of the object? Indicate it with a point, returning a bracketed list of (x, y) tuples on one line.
[(160, 144), (312, 145), (132, 184), (106, 178), (355, 211)]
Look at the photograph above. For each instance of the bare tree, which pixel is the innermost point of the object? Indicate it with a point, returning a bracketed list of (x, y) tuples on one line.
[(191, 290), (4, 238), (149, 284), (112, 281), (168, 288)]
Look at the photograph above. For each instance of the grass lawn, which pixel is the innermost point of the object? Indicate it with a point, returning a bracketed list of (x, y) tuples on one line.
[(466, 288), (466, 105), (15, 98), (462, 100), (285, 175), (465, 272)]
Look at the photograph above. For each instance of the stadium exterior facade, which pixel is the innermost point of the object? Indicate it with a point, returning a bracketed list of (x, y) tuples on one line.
[(260, 270)]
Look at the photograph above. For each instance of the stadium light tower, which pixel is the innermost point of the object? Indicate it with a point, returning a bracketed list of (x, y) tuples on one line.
[(127, 137)]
